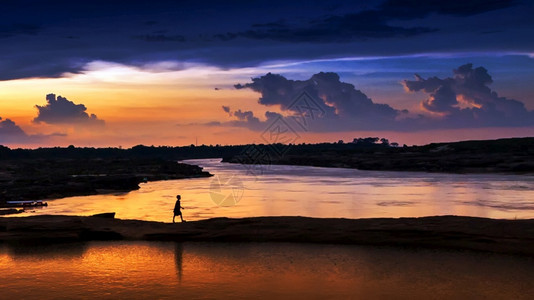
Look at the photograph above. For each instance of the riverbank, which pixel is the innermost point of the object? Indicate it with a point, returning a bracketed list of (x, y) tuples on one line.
[(38, 179), (511, 156), (446, 232)]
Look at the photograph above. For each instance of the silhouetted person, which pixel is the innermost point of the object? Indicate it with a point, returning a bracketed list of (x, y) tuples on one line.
[(177, 207)]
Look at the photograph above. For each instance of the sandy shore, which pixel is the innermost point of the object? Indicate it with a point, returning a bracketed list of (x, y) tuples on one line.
[(499, 236)]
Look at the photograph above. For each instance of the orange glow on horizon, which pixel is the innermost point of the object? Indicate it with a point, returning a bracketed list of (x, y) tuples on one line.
[(157, 107)]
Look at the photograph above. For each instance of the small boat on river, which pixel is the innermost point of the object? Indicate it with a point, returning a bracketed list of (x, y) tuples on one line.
[(26, 204)]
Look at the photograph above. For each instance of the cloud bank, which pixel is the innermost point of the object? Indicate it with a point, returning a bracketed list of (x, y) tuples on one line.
[(466, 100), (62, 111), (368, 23), (320, 103), (323, 103), (59, 37), (323, 95)]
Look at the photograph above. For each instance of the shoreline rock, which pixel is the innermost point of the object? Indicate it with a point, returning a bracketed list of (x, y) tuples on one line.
[(440, 232), (39, 179)]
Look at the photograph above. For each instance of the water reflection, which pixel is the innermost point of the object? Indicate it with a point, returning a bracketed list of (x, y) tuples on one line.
[(218, 270), (178, 260), (28, 250), (316, 192)]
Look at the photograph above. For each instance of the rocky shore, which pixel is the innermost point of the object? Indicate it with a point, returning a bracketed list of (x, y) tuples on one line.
[(37, 179), (442, 232)]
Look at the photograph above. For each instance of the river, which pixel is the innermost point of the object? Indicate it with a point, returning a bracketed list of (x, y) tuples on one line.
[(156, 270), (246, 191)]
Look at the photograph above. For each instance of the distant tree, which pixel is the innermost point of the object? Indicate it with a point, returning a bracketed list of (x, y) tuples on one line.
[(340, 142), (365, 141), (384, 141), (394, 144)]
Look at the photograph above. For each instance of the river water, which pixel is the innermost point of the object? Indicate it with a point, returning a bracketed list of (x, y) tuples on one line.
[(157, 270), (143, 270), (246, 191)]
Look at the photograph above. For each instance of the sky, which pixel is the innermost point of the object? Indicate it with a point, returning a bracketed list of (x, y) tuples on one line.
[(123, 73)]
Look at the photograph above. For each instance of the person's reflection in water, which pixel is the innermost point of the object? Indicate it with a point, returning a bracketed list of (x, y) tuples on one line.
[(177, 207), (178, 256)]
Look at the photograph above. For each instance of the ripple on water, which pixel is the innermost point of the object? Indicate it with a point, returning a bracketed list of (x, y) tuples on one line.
[(317, 192)]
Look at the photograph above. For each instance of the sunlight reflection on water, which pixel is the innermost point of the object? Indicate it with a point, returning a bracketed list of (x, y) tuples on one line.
[(157, 270), (317, 192)]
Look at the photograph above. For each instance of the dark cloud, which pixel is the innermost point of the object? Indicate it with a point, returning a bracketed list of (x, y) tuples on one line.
[(246, 119), (161, 38), (17, 29), (331, 97), (323, 103), (58, 37), (368, 23), (62, 111), (8, 128), (320, 103), (338, 29), (34, 66), (247, 116), (243, 117), (466, 100), (410, 9), (12, 133)]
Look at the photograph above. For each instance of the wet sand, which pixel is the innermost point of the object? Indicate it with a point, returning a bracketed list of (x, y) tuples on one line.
[(447, 232)]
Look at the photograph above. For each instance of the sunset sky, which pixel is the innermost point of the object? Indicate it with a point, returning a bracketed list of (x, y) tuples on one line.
[(122, 73)]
